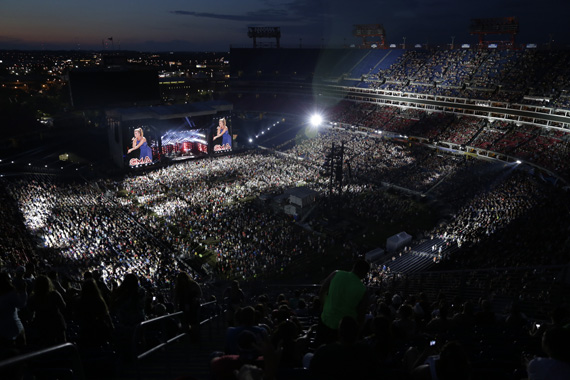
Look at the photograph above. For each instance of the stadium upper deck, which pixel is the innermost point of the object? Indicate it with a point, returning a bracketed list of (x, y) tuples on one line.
[(534, 77), (526, 91)]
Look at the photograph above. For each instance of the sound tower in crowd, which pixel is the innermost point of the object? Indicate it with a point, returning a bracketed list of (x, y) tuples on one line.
[(333, 166)]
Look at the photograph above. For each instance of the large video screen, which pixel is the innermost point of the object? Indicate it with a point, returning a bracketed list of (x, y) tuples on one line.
[(176, 139), (143, 146), (222, 138), (177, 145)]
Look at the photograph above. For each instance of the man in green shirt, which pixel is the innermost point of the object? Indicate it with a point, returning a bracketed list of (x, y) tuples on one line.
[(343, 294)]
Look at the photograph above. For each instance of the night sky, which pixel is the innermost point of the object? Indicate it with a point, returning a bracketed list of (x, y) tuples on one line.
[(178, 25)]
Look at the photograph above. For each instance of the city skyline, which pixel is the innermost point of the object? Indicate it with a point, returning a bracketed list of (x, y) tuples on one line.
[(177, 25)]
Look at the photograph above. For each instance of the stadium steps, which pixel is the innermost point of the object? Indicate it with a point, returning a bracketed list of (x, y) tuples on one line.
[(380, 62), (481, 129)]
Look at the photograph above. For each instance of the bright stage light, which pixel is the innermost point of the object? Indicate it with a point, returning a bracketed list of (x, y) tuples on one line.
[(316, 120), (250, 140), (519, 162)]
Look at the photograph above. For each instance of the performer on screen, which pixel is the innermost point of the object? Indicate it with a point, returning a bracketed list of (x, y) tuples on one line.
[(139, 142), (224, 133)]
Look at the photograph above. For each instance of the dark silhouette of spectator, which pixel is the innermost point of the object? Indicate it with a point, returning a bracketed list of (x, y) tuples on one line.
[(288, 335), (47, 309), (440, 323), (558, 318), (404, 326), (245, 317), (516, 322), (301, 310), (464, 321), (345, 359), (223, 367), (422, 309), (451, 364), (54, 277), (234, 298), (555, 343), (103, 288), (485, 317), (127, 301), (95, 323), (187, 298), (283, 313), (382, 342), (12, 299), (294, 301), (19, 281)]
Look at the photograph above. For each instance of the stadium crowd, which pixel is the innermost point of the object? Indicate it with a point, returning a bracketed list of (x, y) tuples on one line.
[(526, 76), (108, 254)]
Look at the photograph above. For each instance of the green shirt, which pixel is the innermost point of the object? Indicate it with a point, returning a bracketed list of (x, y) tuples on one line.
[(345, 293)]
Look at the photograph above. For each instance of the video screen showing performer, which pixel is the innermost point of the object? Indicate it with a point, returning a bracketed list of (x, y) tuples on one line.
[(222, 139), (140, 143)]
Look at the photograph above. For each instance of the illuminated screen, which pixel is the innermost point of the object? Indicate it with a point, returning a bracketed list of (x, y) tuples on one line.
[(176, 139), (222, 138), (184, 144), (142, 148)]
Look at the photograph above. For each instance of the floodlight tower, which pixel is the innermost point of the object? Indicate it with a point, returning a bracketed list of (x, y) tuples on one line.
[(256, 32), (505, 26), (375, 31)]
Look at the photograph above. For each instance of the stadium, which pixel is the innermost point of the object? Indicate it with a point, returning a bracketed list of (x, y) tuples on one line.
[(447, 170)]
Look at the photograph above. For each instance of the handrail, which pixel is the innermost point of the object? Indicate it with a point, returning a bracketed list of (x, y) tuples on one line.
[(77, 366), (168, 341), (153, 321)]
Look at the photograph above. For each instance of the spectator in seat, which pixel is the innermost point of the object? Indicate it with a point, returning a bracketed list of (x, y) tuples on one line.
[(555, 343), (451, 364), (345, 359), (246, 320)]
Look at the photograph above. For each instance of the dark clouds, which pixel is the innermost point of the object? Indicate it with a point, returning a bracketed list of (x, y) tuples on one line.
[(263, 15)]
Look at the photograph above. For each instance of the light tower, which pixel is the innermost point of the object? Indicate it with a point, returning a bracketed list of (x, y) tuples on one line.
[(256, 32), (505, 26), (375, 31)]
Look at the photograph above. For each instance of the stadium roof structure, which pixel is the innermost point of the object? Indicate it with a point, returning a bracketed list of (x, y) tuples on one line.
[(164, 112)]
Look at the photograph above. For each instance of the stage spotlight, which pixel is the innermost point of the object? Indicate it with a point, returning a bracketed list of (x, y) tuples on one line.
[(519, 162), (250, 140), (316, 120)]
